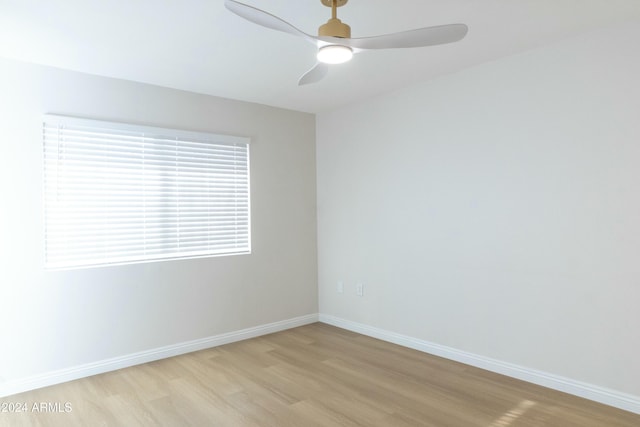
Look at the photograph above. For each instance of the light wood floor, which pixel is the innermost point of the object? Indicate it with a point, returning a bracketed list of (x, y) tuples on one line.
[(315, 375)]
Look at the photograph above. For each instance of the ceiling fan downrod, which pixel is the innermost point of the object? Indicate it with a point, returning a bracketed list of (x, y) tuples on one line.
[(334, 27)]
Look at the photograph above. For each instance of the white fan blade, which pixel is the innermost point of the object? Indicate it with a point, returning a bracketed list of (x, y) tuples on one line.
[(265, 19), (314, 75), (429, 36)]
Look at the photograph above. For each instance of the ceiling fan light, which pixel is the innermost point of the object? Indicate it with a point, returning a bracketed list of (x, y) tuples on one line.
[(335, 54)]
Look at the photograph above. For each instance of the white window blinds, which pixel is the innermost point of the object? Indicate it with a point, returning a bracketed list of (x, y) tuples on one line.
[(118, 193)]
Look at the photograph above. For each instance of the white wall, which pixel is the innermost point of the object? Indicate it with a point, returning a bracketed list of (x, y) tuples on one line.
[(496, 211), (56, 320)]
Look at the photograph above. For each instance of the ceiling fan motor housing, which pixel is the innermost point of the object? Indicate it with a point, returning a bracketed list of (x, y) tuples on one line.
[(335, 28)]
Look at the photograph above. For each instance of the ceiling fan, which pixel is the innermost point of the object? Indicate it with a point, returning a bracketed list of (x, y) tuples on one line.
[(334, 41)]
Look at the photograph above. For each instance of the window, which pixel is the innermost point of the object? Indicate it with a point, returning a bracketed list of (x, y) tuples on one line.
[(118, 193)]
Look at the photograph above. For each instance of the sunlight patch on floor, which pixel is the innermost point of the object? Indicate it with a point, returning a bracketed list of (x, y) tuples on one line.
[(509, 417)]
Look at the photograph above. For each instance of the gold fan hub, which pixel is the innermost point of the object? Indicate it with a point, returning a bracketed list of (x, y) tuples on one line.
[(329, 3), (335, 28)]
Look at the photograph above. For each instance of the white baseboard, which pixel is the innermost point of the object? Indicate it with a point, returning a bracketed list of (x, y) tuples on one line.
[(11, 387), (603, 395)]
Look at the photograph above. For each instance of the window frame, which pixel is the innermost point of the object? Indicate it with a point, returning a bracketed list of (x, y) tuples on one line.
[(150, 135)]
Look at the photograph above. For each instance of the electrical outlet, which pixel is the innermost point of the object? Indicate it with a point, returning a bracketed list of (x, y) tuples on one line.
[(340, 287), (359, 289)]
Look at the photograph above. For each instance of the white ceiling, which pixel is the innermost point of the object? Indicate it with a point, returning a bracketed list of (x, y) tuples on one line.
[(199, 46)]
